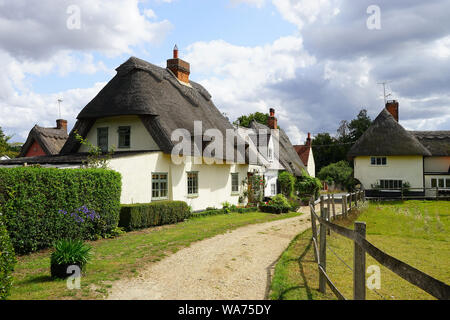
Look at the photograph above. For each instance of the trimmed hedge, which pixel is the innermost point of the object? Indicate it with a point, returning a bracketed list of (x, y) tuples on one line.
[(7, 262), (42, 205), (144, 215), (214, 212)]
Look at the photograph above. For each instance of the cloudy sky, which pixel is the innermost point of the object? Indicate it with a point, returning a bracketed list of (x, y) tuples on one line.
[(315, 61)]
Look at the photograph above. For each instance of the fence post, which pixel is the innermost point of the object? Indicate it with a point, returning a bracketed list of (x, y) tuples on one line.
[(323, 252), (328, 211), (349, 201), (356, 198), (321, 204), (359, 265), (333, 205), (314, 229), (344, 205)]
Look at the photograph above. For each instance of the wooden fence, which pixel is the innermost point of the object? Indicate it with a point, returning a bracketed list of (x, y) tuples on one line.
[(436, 288)]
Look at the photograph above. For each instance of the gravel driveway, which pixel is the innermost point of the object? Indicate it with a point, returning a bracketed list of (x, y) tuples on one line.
[(235, 265)]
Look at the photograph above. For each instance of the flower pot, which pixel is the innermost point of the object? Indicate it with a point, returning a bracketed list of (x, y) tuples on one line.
[(60, 270)]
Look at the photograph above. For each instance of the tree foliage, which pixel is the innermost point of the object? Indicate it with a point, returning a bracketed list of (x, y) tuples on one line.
[(329, 149), (287, 183), (308, 186), (6, 148), (246, 120), (340, 173)]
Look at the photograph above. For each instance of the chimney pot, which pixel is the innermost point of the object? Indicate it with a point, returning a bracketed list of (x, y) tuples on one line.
[(308, 140), (392, 106), (61, 124), (180, 68)]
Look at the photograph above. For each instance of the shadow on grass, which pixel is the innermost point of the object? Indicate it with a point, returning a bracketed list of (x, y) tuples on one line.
[(300, 260), (38, 279)]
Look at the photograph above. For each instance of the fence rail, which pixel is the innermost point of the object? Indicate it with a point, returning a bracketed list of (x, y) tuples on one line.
[(434, 193), (434, 287)]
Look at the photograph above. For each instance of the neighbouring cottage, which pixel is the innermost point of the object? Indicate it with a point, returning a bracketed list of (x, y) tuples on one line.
[(305, 153), (276, 150), (137, 112), (45, 141), (387, 157)]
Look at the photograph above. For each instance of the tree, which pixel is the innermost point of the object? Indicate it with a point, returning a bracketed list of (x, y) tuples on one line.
[(245, 121), (340, 173), (6, 149), (287, 184), (359, 125)]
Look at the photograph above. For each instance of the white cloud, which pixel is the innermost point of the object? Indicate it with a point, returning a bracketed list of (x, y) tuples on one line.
[(38, 29), (255, 3)]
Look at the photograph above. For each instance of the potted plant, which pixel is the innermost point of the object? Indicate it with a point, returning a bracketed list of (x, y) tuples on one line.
[(67, 253)]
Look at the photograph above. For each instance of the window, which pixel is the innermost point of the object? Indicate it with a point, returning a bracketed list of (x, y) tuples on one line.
[(234, 182), (441, 183), (124, 137), (192, 183), (270, 154), (159, 186), (378, 161), (102, 139), (273, 189), (391, 184)]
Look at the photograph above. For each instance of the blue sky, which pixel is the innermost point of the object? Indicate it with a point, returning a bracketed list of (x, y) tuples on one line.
[(316, 62)]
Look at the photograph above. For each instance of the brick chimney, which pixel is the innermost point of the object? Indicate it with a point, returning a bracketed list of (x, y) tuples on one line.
[(308, 140), (181, 69), (272, 121), (392, 107), (61, 124)]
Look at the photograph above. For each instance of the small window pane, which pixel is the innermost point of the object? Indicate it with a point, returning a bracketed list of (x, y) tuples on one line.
[(441, 183), (383, 161), (102, 139), (433, 183), (447, 183), (192, 181), (124, 137), (373, 161), (235, 182), (378, 161)]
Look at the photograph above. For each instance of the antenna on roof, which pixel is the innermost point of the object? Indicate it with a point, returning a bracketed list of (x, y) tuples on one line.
[(385, 96), (59, 106)]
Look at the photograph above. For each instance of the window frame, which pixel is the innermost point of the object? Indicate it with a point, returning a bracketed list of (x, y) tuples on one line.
[(194, 186), (105, 135), (120, 133), (273, 191), (159, 182), (391, 184), (235, 184), (378, 161)]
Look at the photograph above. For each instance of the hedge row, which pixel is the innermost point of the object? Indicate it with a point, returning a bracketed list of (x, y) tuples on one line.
[(42, 205), (213, 212), (7, 262), (137, 216)]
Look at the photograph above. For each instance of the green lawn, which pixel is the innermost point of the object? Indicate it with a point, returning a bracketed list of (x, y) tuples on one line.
[(123, 256), (416, 232)]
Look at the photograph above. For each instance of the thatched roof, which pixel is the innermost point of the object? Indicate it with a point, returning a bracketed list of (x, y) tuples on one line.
[(51, 140), (155, 94), (437, 142), (386, 137), (74, 159), (288, 157)]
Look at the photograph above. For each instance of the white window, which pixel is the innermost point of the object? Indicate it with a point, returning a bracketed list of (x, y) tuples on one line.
[(273, 189), (102, 139), (391, 184), (192, 183), (124, 136), (378, 161), (159, 186), (270, 154), (234, 182), (441, 183)]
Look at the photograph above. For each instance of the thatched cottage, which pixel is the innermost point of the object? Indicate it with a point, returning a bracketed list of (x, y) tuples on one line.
[(387, 157)]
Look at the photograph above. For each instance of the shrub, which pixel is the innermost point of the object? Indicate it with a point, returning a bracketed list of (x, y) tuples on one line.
[(213, 212), (340, 173), (43, 205), (7, 262), (287, 183), (137, 216), (308, 186), (68, 252), (278, 204)]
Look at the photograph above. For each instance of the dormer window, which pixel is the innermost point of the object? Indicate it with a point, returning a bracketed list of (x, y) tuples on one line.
[(270, 155), (124, 137)]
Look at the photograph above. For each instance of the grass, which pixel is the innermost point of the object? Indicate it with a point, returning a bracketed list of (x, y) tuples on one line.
[(124, 256), (416, 232)]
